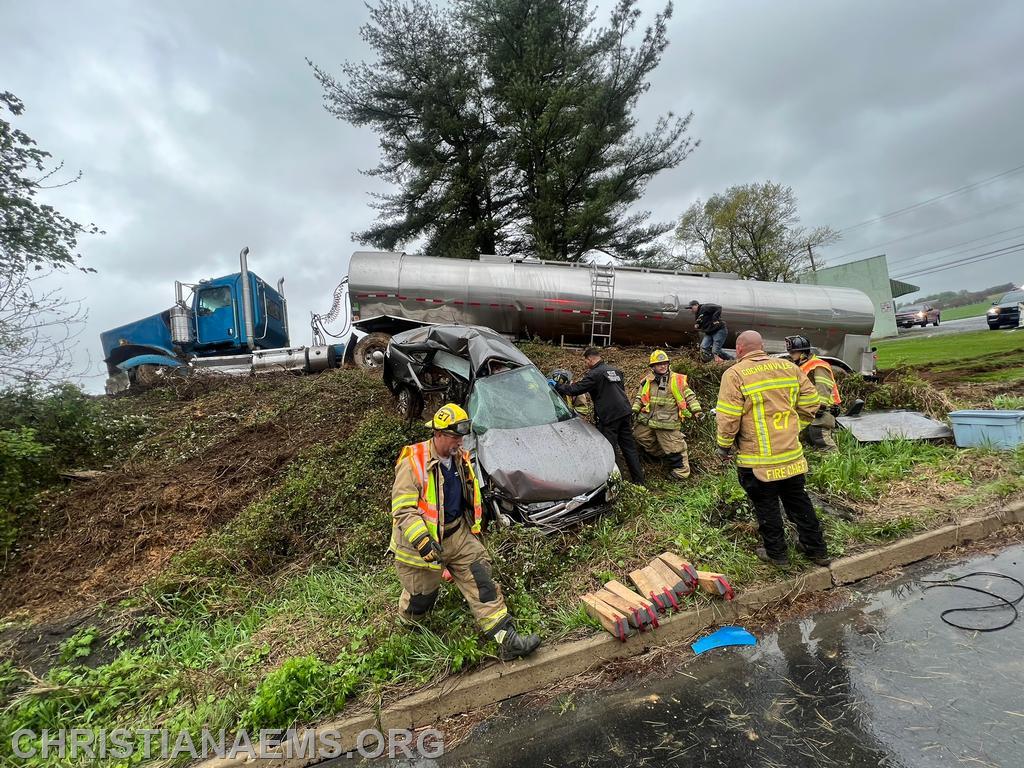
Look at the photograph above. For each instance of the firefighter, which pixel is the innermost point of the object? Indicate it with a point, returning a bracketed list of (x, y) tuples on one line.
[(612, 413), (659, 414), (707, 318), (580, 403), (436, 505), (819, 432), (763, 403)]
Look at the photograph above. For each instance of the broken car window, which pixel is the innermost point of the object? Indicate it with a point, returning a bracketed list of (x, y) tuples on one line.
[(515, 399)]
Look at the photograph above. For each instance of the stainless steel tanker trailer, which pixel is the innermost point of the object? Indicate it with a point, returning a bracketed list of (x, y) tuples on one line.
[(594, 304)]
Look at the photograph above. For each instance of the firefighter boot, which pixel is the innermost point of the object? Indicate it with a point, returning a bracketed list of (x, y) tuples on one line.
[(680, 466), (512, 645)]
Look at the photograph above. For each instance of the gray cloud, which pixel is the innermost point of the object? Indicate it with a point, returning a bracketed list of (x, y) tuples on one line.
[(199, 129)]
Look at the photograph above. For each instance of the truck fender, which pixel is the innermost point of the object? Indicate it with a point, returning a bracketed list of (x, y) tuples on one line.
[(135, 362)]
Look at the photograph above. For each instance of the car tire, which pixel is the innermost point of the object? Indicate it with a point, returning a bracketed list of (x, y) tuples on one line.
[(936, 323), (993, 327), (363, 353), (408, 404), (924, 323)]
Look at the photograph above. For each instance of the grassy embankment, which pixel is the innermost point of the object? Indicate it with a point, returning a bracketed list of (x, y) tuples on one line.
[(976, 356), (282, 613), (968, 310)]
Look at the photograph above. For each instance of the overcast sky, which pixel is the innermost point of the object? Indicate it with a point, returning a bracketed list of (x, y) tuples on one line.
[(199, 128)]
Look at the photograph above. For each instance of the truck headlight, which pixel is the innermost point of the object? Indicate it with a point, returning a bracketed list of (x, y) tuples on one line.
[(994, 311)]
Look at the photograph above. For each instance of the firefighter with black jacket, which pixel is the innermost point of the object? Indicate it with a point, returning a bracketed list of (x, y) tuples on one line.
[(612, 410)]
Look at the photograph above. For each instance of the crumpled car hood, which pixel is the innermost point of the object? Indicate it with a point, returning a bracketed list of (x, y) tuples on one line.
[(550, 462)]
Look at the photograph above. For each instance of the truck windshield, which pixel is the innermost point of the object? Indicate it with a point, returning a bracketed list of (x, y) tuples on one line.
[(515, 399), (1012, 297)]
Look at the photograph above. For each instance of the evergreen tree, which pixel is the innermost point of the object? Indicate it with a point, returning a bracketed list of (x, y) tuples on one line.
[(507, 126)]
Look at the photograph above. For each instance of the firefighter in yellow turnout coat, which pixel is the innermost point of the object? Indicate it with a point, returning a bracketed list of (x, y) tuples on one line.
[(436, 506), (763, 403), (662, 403)]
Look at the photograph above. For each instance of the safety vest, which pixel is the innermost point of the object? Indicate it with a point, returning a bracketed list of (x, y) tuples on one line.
[(677, 386), (816, 362), (417, 456)]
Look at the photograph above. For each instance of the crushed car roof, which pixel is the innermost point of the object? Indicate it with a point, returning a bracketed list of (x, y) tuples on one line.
[(476, 343)]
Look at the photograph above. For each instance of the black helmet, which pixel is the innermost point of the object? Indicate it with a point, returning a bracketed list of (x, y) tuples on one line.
[(693, 304), (560, 376), (798, 344)]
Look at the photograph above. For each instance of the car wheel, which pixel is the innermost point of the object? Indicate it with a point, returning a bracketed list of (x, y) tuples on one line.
[(408, 404), (993, 327), (936, 323), (366, 348), (924, 323)]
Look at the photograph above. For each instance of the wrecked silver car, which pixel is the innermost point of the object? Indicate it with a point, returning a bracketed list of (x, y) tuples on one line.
[(538, 461)]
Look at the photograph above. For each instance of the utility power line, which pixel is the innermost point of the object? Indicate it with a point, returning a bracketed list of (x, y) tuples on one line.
[(966, 260), (906, 260), (920, 260), (930, 200), (919, 233)]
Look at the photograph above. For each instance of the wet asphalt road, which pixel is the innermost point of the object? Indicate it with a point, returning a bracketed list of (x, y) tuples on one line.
[(946, 327), (882, 682)]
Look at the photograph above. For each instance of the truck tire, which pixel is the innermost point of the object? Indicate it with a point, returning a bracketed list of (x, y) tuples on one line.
[(362, 355), (408, 404)]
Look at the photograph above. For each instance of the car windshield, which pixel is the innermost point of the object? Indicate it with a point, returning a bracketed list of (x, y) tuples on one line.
[(1012, 297), (515, 399), (913, 308)]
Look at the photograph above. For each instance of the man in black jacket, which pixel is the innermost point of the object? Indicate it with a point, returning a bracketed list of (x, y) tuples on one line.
[(612, 410), (707, 318)]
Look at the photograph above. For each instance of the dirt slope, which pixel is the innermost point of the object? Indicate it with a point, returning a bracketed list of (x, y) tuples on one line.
[(209, 449)]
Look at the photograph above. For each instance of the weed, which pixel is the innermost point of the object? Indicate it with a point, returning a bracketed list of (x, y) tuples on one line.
[(1008, 402), (79, 645)]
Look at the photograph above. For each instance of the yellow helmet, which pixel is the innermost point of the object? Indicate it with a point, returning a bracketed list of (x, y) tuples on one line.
[(658, 356), (450, 418)]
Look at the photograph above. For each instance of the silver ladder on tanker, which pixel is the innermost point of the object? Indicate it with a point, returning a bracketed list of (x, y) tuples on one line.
[(602, 285)]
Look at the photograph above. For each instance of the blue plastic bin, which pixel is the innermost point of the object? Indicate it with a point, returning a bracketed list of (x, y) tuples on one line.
[(988, 429)]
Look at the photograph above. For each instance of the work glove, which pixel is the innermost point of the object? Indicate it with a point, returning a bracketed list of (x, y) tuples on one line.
[(821, 412), (835, 410), (429, 549), (552, 383), (724, 454)]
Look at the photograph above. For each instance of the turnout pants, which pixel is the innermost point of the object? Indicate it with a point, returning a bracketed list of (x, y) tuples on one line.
[(765, 497), (819, 433), (466, 559), (665, 443), (620, 433)]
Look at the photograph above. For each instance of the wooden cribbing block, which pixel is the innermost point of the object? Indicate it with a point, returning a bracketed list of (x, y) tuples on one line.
[(683, 568), (645, 605), (679, 587), (715, 584), (637, 616), (653, 588), (611, 619)]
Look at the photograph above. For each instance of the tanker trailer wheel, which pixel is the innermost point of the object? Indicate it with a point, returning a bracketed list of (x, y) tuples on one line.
[(363, 354), (408, 404)]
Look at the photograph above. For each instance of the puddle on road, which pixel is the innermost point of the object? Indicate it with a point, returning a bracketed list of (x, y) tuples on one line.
[(880, 683)]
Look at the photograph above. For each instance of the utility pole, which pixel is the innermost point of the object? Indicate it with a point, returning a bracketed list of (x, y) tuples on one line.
[(810, 255)]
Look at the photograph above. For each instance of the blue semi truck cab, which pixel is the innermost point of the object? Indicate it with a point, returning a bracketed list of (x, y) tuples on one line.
[(237, 323)]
